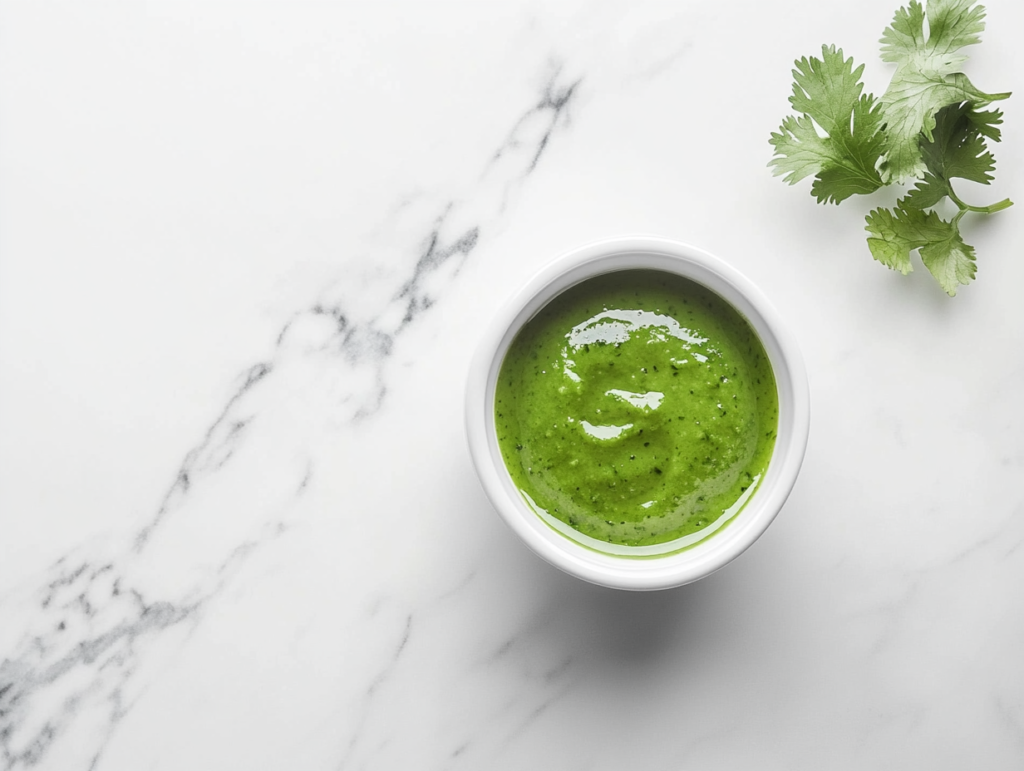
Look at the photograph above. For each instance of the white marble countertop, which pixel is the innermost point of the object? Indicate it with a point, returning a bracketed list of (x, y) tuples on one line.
[(246, 252)]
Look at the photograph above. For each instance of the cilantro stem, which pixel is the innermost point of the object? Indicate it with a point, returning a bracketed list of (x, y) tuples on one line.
[(1006, 203)]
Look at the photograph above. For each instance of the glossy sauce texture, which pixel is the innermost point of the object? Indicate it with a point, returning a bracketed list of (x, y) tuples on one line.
[(637, 407)]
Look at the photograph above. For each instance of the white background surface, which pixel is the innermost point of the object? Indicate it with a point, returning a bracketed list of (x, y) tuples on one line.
[(240, 524)]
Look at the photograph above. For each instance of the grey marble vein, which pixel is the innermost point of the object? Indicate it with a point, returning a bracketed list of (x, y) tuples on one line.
[(77, 639), (551, 110), (211, 453), (366, 705), (92, 626)]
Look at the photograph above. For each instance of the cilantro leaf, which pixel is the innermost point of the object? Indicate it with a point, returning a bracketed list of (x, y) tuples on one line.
[(799, 151), (950, 260), (893, 234), (930, 127), (828, 92), (827, 89), (957, 149), (926, 79), (928, 192), (985, 122), (952, 25)]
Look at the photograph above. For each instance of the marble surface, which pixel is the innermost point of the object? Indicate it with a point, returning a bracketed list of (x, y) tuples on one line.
[(246, 252)]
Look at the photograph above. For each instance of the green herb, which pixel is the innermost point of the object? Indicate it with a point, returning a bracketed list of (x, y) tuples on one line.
[(928, 127)]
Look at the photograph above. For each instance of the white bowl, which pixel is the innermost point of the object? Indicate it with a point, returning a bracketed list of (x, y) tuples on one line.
[(717, 550)]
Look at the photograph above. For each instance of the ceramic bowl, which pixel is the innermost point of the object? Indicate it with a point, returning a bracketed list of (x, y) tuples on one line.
[(589, 561)]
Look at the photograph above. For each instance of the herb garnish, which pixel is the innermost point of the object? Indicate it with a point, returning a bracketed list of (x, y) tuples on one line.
[(928, 127)]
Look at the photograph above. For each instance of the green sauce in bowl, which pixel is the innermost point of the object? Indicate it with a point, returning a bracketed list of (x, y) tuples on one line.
[(637, 408)]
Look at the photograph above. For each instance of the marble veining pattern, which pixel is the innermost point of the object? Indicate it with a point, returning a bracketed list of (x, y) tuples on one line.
[(319, 581), (92, 624)]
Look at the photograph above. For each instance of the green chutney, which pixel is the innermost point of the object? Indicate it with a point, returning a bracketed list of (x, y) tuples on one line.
[(638, 408)]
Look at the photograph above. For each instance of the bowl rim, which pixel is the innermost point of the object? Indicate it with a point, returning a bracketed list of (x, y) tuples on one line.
[(711, 554)]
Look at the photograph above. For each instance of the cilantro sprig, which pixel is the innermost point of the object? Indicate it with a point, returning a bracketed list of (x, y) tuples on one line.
[(928, 128)]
